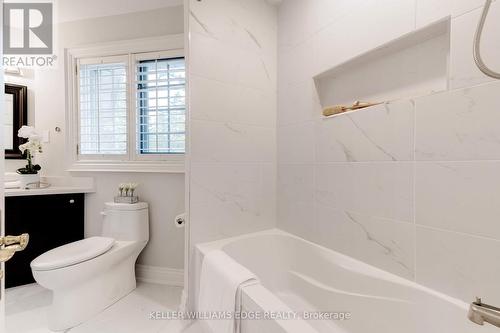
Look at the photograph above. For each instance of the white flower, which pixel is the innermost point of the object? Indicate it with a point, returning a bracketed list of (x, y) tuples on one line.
[(33, 146), (28, 132), (23, 147)]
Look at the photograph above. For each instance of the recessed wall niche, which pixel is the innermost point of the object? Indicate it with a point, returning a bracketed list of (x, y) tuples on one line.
[(412, 65)]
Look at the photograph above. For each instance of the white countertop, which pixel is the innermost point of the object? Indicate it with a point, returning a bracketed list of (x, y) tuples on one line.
[(58, 185)]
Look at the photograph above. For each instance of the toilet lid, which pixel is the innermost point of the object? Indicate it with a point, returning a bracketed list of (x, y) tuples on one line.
[(72, 253)]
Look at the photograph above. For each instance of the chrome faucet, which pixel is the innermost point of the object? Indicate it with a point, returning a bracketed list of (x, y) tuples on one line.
[(480, 313)]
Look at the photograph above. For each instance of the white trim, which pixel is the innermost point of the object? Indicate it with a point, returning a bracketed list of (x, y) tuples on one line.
[(171, 42), (128, 166), (165, 163), (187, 294), (160, 275), (183, 306), (158, 55)]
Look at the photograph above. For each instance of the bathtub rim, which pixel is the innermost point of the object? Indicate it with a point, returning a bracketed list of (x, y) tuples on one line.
[(347, 261)]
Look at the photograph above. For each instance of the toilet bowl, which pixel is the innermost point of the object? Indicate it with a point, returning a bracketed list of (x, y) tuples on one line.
[(89, 275)]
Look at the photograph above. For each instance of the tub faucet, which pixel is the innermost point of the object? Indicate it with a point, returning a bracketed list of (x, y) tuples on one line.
[(480, 313)]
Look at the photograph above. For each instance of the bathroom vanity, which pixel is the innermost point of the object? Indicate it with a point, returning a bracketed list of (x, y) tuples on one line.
[(52, 217), (50, 220)]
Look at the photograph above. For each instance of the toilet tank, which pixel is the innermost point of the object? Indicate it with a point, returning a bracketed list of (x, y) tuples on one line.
[(126, 222)]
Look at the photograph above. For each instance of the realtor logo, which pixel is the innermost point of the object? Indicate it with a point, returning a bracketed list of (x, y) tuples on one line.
[(27, 28)]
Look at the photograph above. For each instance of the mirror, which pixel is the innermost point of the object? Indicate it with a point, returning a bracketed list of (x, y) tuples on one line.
[(16, 115)]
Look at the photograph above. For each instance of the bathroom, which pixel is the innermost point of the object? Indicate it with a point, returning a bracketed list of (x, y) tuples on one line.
[(282, 204)]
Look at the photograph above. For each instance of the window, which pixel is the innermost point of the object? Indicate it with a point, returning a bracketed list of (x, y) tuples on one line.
[(161, 95), (128, 108), (103, 107)]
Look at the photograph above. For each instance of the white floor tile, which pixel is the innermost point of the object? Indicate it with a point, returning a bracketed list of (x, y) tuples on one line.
[(26, 310)]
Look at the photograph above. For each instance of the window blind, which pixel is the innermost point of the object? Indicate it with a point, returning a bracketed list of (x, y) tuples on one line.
[(161, 106), (103, 108)]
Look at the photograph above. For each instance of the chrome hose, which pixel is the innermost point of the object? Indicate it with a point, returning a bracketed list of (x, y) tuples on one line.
[(477, 44)]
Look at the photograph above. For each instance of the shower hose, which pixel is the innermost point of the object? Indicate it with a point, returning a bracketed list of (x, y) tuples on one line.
[(477, 44)]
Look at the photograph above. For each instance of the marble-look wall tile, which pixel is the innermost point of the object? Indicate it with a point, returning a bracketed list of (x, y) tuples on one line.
[(232, 104), (382, 189), (459, 125), (459, 196), (368, 190), (295, 194), (328, 12), (313, 15), (298, 103), (296, 65), (298, 218), (289, 15), (461, 7), (237, 26), (459, 265), (386, 244), (224, 102), (229, 142), (370, 25), (379, 133), (231, 199), (221, 61), (429, 11), (296, 143), (296, 182), (463, 70)]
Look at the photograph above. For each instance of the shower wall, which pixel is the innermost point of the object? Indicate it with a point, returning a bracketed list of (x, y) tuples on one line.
[(233, 89), (233, 110), (412, 187)]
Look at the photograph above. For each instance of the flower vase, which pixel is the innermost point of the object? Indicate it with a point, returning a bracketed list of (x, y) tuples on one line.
[(29, 180)]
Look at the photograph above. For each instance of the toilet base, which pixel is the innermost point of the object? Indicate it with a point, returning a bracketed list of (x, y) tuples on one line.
[(72, 306)]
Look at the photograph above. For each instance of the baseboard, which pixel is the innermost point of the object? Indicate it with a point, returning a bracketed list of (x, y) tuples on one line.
[(160, 275)]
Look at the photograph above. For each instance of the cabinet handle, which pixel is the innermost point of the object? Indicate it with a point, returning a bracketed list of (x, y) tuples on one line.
[(71, 201)]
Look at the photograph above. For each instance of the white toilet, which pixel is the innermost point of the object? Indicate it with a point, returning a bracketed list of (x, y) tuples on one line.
[(89, 275)]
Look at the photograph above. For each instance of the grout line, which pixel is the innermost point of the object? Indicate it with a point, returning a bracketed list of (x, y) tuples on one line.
[(461, 233), (415, 13), (470, 10), (401, 162), (237, 123), (414, 154)]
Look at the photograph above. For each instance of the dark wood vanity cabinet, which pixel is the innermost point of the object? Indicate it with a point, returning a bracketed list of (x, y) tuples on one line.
[(50, 220)]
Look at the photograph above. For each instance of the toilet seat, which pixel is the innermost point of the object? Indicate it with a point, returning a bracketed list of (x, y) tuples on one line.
[(72, 253)]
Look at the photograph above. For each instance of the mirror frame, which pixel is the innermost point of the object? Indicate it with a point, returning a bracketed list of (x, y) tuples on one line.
[(20, 114)]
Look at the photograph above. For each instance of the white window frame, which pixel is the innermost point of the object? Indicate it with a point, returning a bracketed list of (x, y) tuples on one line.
[(133, 122), (102, 60), (165, 46)]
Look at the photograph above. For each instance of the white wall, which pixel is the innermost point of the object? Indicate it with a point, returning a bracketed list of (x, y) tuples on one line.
[(412, 187), (76, 10), (232, 77), (165, 192), (165, 195)]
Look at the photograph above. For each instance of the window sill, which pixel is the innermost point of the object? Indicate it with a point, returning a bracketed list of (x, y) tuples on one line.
[(140, 167)]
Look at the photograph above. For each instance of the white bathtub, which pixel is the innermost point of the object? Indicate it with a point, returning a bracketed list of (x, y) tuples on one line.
[(297, 275)]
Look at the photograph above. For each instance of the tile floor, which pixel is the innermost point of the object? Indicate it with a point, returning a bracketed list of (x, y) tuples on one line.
[(26, 309)]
